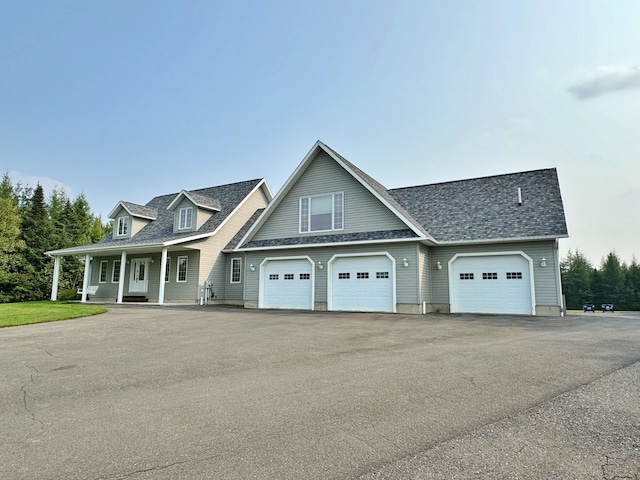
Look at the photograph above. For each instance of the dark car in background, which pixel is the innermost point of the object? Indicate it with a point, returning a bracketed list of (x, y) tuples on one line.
[(589, 307), (607, 307)]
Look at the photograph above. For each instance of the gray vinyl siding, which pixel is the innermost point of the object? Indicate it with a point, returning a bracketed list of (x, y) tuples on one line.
[(234, 291), (406, 285), (213, 263), (106, 290), (362, 211), (545, 279), (426, 266)]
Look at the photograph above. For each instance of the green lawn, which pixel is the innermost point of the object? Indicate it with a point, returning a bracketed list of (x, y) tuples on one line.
[(24, 313)]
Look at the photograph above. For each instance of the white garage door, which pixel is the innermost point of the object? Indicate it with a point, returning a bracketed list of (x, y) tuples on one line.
[(362, 284), (491, 284), (287, 284)]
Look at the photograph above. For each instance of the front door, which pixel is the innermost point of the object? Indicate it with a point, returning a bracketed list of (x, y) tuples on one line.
[(138, 281)]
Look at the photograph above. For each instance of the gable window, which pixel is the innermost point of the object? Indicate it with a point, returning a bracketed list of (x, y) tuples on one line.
[(185, 219), (122, 229), (103, 271), (322, 213), (167, 271), (183, 262), (115, 273), (236, 270)]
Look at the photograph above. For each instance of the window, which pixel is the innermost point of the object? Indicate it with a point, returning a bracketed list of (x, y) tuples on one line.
[(466, 276), (236, 268), (362, 275), (183, 262), (122, 229), (103, 271), (305, 276), (289, 276), (273, 276), (514, 275), (382, 274), (321, 213), (185, 220), (167, 271), (115, 273), (344, 276), (490, 276)]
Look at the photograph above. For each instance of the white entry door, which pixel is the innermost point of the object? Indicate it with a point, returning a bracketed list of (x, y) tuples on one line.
[(139, 277)]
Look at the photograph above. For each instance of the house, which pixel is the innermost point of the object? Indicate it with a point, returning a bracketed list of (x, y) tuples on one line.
[(171, 248), (333, 238)]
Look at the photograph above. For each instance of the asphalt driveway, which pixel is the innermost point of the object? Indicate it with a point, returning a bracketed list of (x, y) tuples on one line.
[(212, 393)]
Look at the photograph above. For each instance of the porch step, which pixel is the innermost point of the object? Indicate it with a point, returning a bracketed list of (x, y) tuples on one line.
[(134, 298)]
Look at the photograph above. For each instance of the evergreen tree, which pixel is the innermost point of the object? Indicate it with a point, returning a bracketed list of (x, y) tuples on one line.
[(612, 281), (577, 275)]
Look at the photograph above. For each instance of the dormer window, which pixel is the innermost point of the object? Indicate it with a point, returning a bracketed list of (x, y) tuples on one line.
[(321, 213), (185, 220), (122, 229)]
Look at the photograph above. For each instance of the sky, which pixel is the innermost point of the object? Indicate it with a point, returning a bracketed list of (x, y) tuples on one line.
[(129, 99)]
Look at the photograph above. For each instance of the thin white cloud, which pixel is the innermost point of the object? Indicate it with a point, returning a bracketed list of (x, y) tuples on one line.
[(48, 184), (604, 80)]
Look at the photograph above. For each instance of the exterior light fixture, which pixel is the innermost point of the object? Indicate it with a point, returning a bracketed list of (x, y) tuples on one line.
[(320, 266), (438, 265), (252, 268), (405, 263), (543, 263)]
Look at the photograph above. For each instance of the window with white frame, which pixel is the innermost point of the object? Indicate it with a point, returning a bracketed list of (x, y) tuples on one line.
[(185, 218), (236, 270), (183, 263), (322, 213), (167, 270), (115, 272), (103, 271), (122, 227)]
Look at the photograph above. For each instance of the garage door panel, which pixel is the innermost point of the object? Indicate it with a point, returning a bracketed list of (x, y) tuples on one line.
[(491, 284), (287, 284), (363, 283)]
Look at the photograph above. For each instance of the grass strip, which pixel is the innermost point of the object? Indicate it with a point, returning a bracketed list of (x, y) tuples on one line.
[(26, 313)]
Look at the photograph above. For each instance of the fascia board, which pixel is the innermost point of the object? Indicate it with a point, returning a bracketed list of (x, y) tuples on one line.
[(502, 240), (118, 206)]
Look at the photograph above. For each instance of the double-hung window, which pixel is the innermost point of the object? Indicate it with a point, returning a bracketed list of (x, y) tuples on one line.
[(236, 270), (115, 273), (185, 219), (181, 275), (322, 213), (122, 228), (167, 270), (103, 271)]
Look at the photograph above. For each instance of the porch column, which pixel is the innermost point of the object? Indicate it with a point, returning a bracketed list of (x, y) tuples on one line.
[(56, 277), (85, 280), (163, 269), (123, 269)]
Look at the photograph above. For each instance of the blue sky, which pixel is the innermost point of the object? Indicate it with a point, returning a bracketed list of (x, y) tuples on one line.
[(125, 100)]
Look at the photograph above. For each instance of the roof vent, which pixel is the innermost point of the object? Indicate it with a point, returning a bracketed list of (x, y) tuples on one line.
[(519, 196)]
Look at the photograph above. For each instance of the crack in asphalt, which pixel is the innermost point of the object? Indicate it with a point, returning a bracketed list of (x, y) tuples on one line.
[(613, 462), (117, 476), (23, 389)]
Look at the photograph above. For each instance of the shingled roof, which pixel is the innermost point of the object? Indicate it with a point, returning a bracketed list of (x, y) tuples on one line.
[(488, 208), (160, 232)]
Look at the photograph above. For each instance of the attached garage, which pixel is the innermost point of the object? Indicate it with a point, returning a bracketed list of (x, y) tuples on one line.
[(491, 284), (363, 283), (287, 283)]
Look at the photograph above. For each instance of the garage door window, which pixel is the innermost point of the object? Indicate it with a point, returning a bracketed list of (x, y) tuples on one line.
[(382, 274), (273, 276), (344, 276), (466, 276), (490, 276), (305, 276), (289, 276), (514, 275), (362, 275)]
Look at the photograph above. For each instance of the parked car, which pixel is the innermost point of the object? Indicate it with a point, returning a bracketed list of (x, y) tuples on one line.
[(589, 307), (607, 307)]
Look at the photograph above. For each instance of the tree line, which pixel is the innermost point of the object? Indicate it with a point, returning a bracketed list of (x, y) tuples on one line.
[(612, 282), (30, 225)]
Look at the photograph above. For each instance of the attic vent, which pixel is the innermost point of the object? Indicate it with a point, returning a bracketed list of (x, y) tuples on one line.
[(519, 196)]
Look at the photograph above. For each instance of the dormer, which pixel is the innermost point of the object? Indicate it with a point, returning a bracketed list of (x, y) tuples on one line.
[(191, 210), (129, 218)]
